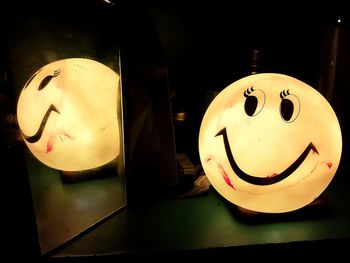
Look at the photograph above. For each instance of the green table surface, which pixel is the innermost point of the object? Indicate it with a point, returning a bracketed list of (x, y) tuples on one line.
[(208, 221)]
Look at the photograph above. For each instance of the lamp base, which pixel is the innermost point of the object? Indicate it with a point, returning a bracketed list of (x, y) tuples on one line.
[(319, 208)]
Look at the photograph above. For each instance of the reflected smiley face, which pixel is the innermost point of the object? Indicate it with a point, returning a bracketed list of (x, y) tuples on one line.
[(270, 143), (67, 114)]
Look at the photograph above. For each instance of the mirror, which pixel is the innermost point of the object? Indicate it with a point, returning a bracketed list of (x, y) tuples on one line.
[(64, 73)]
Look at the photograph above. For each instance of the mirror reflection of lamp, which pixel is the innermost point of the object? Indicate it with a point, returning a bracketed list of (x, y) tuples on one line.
[(270, 143), (67, 114)]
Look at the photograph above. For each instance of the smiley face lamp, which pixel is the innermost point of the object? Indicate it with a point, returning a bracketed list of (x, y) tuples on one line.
[(270, 143), (67, 114)]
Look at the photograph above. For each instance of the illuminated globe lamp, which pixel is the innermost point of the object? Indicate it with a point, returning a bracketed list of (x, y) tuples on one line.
[(270, 143), (67, 113)]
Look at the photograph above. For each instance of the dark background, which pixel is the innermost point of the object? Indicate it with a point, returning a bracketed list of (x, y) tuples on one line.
[(210, 45)]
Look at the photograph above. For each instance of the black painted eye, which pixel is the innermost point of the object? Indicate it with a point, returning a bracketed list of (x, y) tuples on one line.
[(250, 105), (255, 101), (47, 79), (289, 107), (44, 82)]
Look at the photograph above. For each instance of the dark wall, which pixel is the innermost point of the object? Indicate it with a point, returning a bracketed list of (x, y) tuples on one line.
[(210, 45)]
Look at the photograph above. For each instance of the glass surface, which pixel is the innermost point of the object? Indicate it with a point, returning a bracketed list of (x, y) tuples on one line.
[(65, 114)]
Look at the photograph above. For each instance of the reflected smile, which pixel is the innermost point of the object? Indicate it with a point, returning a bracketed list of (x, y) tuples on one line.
[(263, 180), (36, 137)]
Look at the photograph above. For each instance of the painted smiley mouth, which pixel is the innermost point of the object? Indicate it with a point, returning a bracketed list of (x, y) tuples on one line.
[(263, 180), (36, 137)]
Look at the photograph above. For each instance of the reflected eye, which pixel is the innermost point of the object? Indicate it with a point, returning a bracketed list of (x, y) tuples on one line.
[(255, 101), (289, 107), (47, 79), (44, 82)]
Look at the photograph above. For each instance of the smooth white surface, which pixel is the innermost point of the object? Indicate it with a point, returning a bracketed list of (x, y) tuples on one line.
[(84, 131), (265, 145)]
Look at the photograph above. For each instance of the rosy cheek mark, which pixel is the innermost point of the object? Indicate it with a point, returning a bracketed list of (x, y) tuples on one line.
[(49, 147), (225, 176), (329, 165)]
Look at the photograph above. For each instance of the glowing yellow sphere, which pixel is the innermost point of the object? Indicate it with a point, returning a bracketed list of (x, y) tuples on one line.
[(270, 143), (67, 114)]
